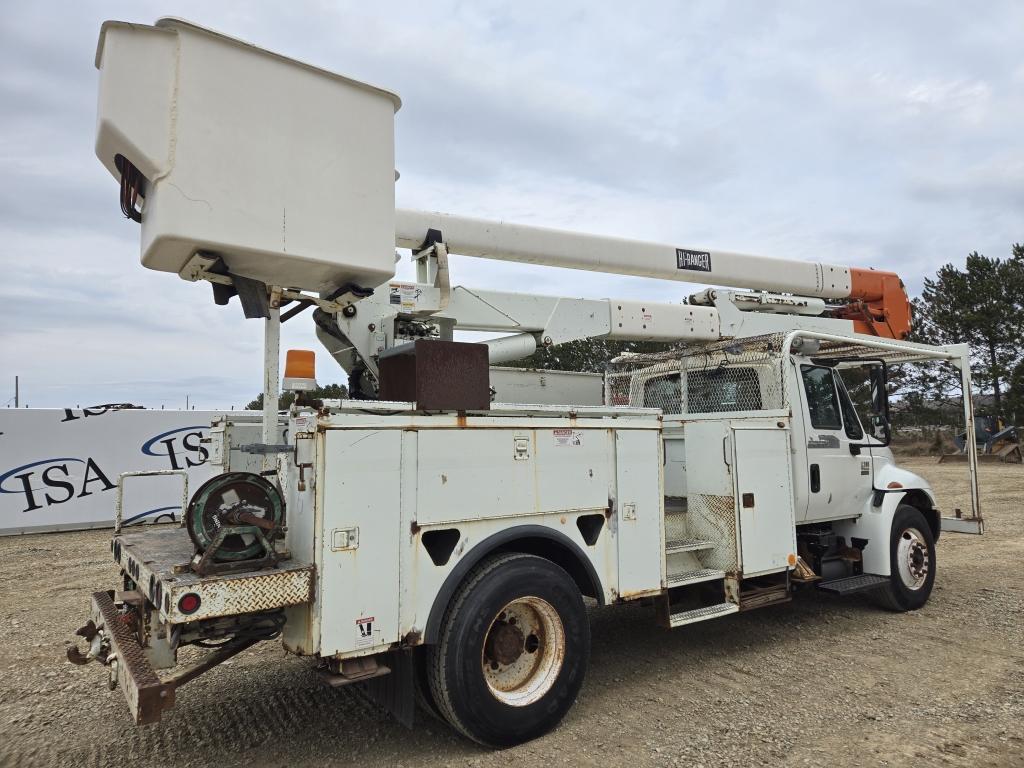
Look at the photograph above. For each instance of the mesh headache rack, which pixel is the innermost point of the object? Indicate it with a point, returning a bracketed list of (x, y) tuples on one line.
[(721, 377)]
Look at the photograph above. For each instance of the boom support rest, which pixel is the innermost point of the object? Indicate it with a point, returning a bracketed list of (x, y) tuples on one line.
[(880, 307)]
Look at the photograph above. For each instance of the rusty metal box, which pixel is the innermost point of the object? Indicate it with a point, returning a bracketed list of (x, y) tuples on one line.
[(437, 375)]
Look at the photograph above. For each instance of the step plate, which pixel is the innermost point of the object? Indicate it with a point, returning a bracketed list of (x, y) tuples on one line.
[(853, 584), (693, 577), (686, 545), (702, 614)]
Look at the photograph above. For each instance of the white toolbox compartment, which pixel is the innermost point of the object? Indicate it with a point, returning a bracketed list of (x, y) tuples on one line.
[(284, 170)]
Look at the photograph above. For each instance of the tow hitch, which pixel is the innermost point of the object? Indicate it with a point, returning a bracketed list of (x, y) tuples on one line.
[(136, 633), (112, 642), (97, 647)]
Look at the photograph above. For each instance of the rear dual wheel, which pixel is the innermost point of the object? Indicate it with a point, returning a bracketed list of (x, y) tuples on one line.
[(513, 651)]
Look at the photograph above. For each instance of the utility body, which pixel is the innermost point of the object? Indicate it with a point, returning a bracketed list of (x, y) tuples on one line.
[(438, 548)]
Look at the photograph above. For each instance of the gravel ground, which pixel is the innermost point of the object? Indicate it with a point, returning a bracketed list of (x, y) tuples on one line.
[(820, 681)]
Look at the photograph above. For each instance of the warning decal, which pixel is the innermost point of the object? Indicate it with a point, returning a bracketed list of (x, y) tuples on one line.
[(567, 437), (404, 295), (364, 631)]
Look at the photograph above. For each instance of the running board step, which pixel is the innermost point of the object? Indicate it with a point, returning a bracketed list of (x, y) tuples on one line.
[(852, 584), (686, 545), (702, 614), (693, 577)]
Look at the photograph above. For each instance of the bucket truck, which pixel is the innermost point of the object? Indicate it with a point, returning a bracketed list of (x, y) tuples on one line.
[(419, 540)]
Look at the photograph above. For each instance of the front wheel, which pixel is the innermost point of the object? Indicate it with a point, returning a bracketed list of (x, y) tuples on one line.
[(513, 650), (912, 561)]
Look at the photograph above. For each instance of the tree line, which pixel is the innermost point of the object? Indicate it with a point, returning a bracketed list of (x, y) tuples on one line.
[(285, 400)]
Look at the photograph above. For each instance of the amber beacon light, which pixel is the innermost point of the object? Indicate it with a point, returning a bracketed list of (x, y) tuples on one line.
[(299, 370)]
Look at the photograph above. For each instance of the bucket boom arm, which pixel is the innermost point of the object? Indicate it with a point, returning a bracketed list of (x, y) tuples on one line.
[(878, 302), (789, 294)]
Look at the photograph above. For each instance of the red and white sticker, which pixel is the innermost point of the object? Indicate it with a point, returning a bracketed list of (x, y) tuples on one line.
[(364, 631)]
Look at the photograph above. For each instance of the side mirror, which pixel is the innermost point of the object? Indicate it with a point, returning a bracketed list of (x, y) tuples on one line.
[(880, 429), (880, 425)]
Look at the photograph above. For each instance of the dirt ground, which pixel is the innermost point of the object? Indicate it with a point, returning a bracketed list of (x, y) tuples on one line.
[(820, 681)]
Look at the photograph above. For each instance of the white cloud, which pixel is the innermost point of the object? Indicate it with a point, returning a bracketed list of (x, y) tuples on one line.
[(967, 98)]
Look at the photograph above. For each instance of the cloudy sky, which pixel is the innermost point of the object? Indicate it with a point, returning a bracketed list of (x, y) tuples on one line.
[(865, 133)]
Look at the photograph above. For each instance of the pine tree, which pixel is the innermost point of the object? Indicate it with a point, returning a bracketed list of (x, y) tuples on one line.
[(981, 305)]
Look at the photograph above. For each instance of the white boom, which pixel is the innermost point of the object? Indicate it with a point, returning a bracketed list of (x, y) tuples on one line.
[(401, 311), (878, 305), (558, 248)]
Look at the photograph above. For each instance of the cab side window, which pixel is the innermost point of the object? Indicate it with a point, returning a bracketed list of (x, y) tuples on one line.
[(854, 431), (722, 390), (664, 392), (822, 400)]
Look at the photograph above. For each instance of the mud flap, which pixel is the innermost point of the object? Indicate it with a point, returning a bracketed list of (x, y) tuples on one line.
[(396, 692)]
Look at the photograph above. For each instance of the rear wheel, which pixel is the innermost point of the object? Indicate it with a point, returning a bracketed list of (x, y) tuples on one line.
[(912, 561), (513, 650)]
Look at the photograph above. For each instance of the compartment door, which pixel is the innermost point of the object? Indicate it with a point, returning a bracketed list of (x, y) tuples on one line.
[(764, 497), (640, 509), (359, 559)]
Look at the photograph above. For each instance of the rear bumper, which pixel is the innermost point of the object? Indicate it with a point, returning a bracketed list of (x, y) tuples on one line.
[(139, 630), (146, 694)]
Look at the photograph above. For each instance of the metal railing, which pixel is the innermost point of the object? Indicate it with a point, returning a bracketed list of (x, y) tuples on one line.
[(119, 501)]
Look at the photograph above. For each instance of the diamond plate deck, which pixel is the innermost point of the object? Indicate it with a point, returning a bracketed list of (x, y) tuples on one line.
[(702, 614), (693, 577), (149, 557), (686, 545)]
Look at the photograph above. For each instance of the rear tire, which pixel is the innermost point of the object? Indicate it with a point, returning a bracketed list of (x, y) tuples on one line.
[(911, 560), (513, 651)]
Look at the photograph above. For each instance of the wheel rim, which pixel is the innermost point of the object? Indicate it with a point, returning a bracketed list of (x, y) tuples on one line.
[(523, 651), (912, 559)]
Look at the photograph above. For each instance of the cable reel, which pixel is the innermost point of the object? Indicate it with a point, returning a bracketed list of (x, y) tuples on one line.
[(232, 520)]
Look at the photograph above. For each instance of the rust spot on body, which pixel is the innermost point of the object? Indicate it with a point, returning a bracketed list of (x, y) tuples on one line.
[(412, 637), (633, 595)]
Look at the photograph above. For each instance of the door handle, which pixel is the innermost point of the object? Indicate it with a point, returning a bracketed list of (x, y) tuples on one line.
[(815, 478)]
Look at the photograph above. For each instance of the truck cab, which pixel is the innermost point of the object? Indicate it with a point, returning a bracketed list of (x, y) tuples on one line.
[(833, 480)]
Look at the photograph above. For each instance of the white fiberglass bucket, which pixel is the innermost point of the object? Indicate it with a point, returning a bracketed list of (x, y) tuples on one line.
[(284, 170)]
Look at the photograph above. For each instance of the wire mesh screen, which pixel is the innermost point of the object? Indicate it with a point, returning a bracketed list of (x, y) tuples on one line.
[(721, 377)]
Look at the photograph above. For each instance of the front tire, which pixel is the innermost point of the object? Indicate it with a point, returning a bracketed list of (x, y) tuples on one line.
[(513, 650), (911, 560)]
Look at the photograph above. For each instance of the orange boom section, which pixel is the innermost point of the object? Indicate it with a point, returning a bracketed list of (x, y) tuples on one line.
[(879, 304)]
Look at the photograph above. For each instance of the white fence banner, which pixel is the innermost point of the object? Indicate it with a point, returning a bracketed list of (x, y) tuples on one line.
[(59, 467)]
